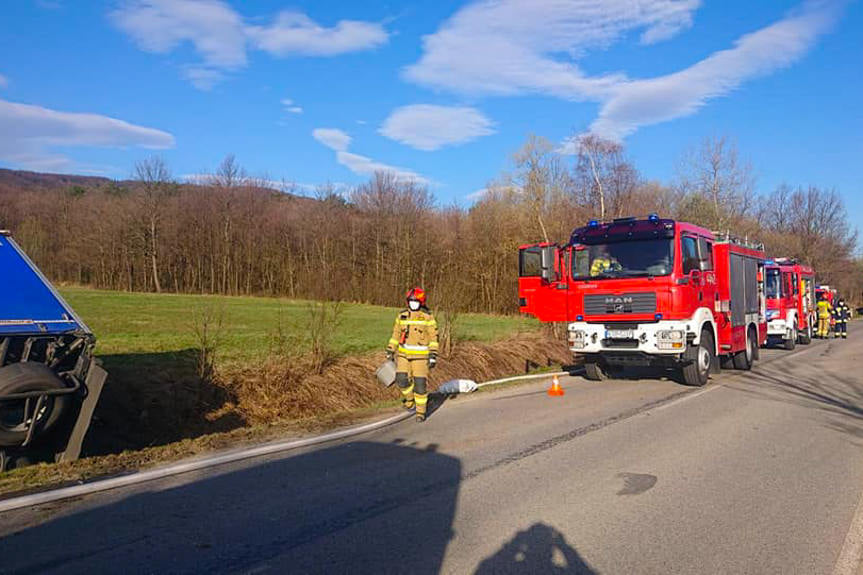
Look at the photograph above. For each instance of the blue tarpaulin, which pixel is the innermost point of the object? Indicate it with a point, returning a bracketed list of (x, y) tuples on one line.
[(28, 302)]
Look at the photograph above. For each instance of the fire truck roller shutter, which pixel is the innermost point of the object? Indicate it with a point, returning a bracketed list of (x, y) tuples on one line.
[(745, 299)]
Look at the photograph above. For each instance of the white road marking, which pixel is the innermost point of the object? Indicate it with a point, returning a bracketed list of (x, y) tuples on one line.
[(850, 561)]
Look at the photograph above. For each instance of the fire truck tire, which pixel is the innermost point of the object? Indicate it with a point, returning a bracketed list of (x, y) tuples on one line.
[(744, 359), (806, 335), (791, 342), (20, 378), (698, 360), (594, 371)]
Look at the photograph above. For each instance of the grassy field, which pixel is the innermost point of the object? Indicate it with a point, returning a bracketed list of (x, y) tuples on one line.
[(140, 323)]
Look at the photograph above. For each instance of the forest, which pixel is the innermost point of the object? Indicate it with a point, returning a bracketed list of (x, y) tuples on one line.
[(235, 234)]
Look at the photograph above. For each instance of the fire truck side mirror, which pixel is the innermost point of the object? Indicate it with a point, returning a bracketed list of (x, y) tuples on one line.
[(548, 255)]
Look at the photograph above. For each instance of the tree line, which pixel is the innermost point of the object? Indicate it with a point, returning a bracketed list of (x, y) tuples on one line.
[(230, 233)]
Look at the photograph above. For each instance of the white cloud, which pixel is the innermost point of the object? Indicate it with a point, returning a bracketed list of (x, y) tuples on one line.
[(427, 127), (332, 138), (30, 133), (290, 107), (221, 36), (477, 195), (338, 141), (160, 26), (517, 46), (507, 47), (294, 33), (644, 102), (204, 78)]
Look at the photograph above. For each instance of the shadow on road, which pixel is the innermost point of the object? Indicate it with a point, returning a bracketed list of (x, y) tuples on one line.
[(826, 383), (539, 549), (354, 508)]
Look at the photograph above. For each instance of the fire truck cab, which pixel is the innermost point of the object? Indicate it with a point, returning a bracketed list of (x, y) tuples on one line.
[(790, 291), (650, 292)]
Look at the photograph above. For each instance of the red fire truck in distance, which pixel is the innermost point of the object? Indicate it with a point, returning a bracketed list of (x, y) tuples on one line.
[(790, 290), (650, 292)]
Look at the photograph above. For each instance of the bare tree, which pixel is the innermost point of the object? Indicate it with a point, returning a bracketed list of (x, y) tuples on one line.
[(715, 173), (605, 175), (157, 183)]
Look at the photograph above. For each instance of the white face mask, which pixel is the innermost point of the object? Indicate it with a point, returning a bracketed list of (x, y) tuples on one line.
[(414, 305)]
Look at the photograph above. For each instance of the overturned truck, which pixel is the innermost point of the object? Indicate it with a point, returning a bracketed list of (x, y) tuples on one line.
[(49, 380)]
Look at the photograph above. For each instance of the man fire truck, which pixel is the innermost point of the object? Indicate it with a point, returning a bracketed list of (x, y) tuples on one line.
[(790, 290), (678, 296)]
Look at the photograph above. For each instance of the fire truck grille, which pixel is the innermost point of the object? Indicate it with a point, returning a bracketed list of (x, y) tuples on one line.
[(624, 304)]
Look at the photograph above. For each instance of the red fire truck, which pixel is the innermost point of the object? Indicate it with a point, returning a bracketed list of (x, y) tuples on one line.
[(652, 292), (790, 290)]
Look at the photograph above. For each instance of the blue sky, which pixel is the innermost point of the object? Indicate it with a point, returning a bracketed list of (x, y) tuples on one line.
[(316, 91)]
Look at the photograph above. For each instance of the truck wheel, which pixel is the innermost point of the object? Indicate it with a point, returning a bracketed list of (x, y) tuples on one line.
[(593, 371), (806, 335), (20, 378), (791, 342), (744, 359), (698, 359)]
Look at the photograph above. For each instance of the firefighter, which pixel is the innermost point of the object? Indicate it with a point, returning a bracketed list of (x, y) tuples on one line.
[(603, 262), (414, 345), (824, 312), (841, 315)]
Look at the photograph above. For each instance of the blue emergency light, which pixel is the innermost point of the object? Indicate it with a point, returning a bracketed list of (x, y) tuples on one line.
[(593, 224), (653, 218)]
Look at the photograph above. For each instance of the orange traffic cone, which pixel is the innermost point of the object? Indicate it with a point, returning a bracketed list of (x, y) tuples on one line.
[(555, 388)]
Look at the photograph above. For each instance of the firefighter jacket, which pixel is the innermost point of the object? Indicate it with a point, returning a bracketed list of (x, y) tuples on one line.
[(602, 265), (414, 334), (841, 312), (824, 309)]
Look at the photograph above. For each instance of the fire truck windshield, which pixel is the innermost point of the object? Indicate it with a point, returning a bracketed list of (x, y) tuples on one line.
[(623, 259), (773, 285)]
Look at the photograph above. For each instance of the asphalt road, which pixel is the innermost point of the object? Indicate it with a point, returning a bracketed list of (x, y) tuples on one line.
[(759, 472)]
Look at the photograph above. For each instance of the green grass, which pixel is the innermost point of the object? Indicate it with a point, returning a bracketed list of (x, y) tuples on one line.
[(142, 323)]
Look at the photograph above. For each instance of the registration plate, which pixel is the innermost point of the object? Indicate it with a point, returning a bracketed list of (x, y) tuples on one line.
[(619, 334)]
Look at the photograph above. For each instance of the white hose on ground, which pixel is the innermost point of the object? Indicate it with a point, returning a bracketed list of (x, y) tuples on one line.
[(521, 377), (214, 460)]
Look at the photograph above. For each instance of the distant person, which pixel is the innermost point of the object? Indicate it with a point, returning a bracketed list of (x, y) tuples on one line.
[(841, 315), (414, 346), (825, 311)]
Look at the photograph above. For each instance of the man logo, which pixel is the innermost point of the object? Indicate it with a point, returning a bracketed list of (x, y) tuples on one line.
[(618, 304), (618, 300)]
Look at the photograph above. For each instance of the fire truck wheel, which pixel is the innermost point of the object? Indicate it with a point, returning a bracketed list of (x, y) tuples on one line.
[(744, 359), (593, 370), (806, 335), (21, 378), (791, 342), (698, 359)]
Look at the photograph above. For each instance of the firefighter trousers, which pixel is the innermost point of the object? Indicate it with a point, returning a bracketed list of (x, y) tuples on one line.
[(823, 327), (412, 379), (841, 329)]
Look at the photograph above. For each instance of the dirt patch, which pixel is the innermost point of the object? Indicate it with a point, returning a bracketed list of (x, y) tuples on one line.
[(166, 403)]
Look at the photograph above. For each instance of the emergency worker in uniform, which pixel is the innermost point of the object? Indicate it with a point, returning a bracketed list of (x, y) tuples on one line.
[(603, 262), (414, 346), (841, 315), (824, 312)]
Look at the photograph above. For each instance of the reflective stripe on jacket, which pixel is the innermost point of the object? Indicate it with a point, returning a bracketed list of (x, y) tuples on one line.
[(414, 334)]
